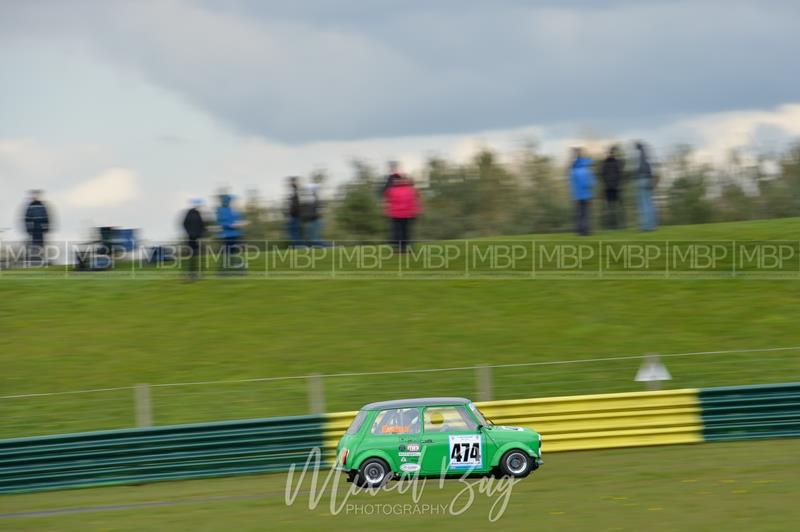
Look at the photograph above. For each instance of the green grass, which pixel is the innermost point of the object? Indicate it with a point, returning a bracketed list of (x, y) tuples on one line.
[(102, 331), (717, 486)]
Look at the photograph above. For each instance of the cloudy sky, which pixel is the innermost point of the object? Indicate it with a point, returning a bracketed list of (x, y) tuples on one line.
[(123, 110)]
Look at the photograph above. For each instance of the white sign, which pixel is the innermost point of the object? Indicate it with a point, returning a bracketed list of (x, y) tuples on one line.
[(466, 451), (652, 370), (409, 468)]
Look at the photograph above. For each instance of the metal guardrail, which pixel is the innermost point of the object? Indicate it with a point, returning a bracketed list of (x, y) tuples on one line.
[(586, 421), (751, 412), (607, 420), (273, 444), (166, 453)]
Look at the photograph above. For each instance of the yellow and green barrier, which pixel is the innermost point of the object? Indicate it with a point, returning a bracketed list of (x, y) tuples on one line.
[(174, 452), (586, 421), (572, 423)]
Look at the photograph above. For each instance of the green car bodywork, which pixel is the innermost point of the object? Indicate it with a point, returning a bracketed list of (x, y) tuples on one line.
[(433, 437)]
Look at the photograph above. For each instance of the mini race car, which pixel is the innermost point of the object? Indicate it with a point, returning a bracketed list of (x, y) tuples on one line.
[(433, 437)]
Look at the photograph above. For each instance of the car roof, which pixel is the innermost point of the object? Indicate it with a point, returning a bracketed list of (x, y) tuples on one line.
[(419, 401)]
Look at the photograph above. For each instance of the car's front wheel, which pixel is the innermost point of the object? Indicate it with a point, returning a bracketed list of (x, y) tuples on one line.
[(373, 473), (515, 463)]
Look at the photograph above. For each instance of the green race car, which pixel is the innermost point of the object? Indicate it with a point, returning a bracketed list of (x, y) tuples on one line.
[(433, 437)]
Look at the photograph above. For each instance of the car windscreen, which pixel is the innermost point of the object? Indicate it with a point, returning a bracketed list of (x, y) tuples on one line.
[(357, 422), (479, 415)]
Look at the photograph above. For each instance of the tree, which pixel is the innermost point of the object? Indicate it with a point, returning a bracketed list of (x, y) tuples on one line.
[(265, 222), (544, 206), (686, 196), (733, 203), (357, 212), (780, 195), (444, 216)]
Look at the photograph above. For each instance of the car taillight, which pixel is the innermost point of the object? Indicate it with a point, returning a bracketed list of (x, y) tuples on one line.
[(344, 457)]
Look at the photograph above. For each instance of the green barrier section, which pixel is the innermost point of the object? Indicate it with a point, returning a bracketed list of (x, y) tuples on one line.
[(751, 412), (163, 453)]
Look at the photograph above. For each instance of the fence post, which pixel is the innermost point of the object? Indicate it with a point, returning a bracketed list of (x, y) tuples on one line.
[(144, 408), (483, 382), (316, 394)]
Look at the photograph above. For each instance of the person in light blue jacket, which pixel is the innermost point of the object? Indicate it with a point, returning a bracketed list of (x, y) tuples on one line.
[(582, 183), (645, 183), (229, 221)]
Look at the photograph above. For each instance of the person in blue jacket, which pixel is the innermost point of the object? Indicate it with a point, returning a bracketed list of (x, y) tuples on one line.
[(229, 221), (582, 182)]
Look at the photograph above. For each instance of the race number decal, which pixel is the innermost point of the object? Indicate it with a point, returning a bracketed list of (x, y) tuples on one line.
[(465, 451)]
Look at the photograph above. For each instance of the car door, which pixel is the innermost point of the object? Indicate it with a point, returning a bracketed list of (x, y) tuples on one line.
[(396, 431), (451, 442)]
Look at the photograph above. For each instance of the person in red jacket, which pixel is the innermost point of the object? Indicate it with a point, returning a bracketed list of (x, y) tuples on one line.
[(401, 205)]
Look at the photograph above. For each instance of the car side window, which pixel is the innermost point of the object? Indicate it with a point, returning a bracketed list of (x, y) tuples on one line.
[(448, 419), (397, 421)]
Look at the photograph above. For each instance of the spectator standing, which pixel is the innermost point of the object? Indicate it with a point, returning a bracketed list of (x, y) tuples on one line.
[(401, 205), (294, 224), (195, 227), (392, 176), (229, 221), (310, 214), (394, 173), (37, 224), (645, 184), (582, 183), (612, 175)]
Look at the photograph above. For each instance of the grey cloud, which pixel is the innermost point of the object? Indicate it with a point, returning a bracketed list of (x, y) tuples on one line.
[(305, 71)]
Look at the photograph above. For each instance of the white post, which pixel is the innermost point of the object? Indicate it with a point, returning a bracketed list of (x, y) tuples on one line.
[(144, 409), (483, 382), (316, 394)]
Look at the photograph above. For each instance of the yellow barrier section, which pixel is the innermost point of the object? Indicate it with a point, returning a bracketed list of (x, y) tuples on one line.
[(333, 429), (585, 421), (605, 421)]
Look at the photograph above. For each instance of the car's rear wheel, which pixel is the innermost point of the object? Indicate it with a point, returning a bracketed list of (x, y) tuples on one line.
[(373, 473), (515, 463)]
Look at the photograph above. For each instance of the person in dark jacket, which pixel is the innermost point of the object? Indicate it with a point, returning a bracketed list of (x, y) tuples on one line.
[(611, 173), (37, 224), (195, 227), (294, 223)]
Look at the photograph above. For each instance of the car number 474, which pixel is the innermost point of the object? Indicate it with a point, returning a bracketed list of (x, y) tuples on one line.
[(465, 451)]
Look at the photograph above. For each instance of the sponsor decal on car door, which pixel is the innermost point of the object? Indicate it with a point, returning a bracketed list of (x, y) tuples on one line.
[(409, 454)]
